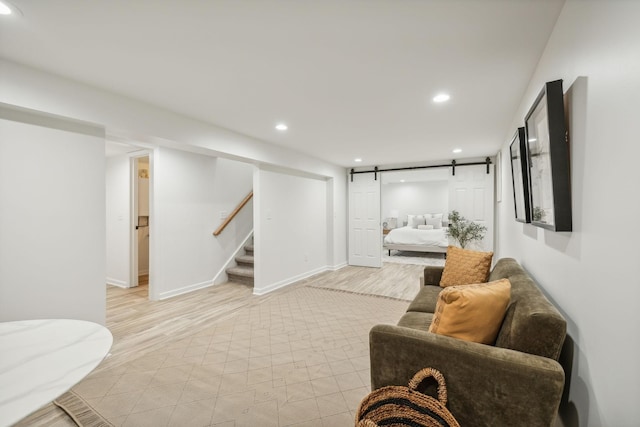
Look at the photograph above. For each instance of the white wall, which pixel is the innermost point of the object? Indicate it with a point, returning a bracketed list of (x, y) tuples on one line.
[(132, 120), (118, 220), (337, 203), (52, 215), (592, 273), (415, 198), (189, 191), (291, 229)]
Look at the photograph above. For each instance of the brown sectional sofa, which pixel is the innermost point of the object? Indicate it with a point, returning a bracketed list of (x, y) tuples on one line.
[(516, 382)]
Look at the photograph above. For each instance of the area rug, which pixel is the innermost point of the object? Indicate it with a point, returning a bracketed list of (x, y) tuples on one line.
[(300, 356), (359, 293), (408, 257), (80, 411), (393, 280)]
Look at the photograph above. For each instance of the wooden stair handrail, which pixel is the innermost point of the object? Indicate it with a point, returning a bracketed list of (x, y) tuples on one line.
[(233, 214)]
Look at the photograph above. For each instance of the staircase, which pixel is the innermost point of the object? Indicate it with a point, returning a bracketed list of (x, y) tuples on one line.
[(243, 272)]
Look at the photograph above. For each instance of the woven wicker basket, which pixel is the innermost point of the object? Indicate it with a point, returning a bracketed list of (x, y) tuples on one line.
[(397, 406)]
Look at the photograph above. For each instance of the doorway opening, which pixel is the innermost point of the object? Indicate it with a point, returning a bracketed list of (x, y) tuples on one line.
[(129, 216), (415, 206), (141, 219)]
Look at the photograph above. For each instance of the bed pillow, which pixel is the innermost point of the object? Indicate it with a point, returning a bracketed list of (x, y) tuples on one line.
[(414, 221), (435, 222), (465, 267), (472, 312)]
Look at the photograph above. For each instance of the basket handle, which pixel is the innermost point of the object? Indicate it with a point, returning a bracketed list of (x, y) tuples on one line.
[(425, 373)]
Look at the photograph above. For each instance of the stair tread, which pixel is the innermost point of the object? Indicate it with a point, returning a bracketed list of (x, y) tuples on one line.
[(248, 248), (248, 259), (241, 271)]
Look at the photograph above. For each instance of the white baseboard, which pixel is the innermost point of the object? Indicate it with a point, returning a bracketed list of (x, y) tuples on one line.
[(116, 282), (289, 281), (185, 289), (337, 267)]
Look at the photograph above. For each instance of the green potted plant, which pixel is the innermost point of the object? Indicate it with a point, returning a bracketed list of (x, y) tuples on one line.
[(463, 231), (538, 214)]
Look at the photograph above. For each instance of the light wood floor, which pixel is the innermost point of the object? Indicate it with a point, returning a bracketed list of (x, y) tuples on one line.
[(140, 326)]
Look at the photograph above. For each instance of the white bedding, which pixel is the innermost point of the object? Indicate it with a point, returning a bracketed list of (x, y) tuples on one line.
[(413, 236)]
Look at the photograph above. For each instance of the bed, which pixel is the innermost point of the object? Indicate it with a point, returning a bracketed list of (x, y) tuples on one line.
[(417, 240)]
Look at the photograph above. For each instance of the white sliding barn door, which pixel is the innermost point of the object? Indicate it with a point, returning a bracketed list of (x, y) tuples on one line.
[(365, 233), (471, 194)]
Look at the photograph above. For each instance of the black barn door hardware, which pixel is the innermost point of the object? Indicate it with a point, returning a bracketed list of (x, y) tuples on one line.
[(453, 166)]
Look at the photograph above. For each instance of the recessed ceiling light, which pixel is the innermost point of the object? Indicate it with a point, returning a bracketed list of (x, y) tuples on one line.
[(441, 97), (457, 150), (402, 180), (357, 160), (5, 9), (282, 126)]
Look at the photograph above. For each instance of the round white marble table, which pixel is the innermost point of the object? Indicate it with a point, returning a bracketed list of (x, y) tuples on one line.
[(42, 359)]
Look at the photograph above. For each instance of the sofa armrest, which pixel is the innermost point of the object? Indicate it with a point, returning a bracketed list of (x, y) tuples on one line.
[(487, 386), (432, 275)]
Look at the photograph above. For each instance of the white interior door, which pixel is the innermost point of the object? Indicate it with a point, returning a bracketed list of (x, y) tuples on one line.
[(471, 194), (365, 232)]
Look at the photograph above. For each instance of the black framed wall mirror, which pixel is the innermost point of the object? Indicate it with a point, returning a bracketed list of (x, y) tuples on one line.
[(520, 176)]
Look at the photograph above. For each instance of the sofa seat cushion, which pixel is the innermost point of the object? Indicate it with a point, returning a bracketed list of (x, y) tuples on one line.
[(416, 320), (425, 301)]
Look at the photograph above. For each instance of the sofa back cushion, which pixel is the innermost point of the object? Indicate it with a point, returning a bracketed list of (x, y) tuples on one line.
[(531, 324), (465, 267)]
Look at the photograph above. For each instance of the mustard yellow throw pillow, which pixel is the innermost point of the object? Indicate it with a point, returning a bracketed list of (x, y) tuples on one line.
[(464, 267), (472, 312)]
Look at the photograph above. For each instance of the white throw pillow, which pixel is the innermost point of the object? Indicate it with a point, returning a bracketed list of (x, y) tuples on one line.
[(435, 222), (425, 227), (427, 216)]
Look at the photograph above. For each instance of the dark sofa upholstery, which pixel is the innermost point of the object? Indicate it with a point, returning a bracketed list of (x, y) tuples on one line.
[(516, 382)]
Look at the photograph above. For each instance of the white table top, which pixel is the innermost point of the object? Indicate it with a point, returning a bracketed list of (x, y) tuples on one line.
[(42, 359)]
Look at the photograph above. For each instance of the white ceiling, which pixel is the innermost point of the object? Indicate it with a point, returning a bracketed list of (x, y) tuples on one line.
[(351, 78)]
